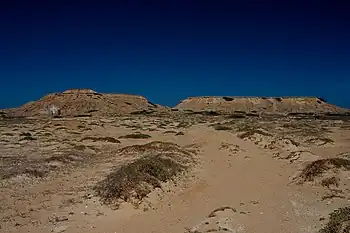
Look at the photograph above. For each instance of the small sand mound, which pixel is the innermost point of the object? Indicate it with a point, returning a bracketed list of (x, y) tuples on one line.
[(137, 179), (155, 163)]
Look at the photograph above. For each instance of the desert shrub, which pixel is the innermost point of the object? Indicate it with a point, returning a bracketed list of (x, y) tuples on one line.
[(137, 179), (25, 134), (318, 167), (101, 139), (339, 221), (27, 137), (135, 136)]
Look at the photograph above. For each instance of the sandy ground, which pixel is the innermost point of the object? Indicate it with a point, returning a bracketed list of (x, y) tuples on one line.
[(244, 176)]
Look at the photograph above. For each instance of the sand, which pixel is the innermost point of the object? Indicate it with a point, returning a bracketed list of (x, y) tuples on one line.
[(234, 183)]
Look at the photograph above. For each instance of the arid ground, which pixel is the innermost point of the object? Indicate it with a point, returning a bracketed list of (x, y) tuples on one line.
[(175, 173)]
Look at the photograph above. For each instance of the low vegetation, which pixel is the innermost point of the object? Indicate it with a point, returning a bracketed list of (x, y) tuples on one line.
[(137, 179), (26, 137), (152, 163), (14, 166), (25, 134), (339, 221), (318, 167)]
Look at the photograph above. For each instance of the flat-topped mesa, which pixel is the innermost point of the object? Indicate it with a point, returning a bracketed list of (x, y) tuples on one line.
[(230, 104), (80, 102)]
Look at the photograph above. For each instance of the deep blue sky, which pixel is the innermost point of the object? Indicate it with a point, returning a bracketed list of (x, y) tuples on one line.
[(167, 50)]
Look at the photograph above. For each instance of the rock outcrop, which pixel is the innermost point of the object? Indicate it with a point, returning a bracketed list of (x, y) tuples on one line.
[(81, 102), (259, 104)]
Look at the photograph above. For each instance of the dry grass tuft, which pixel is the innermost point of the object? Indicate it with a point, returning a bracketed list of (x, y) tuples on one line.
[(339, 221), (316, 168)]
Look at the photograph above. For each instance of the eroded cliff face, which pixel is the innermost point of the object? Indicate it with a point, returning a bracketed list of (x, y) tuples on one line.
[(77, 102), (258, 104)]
